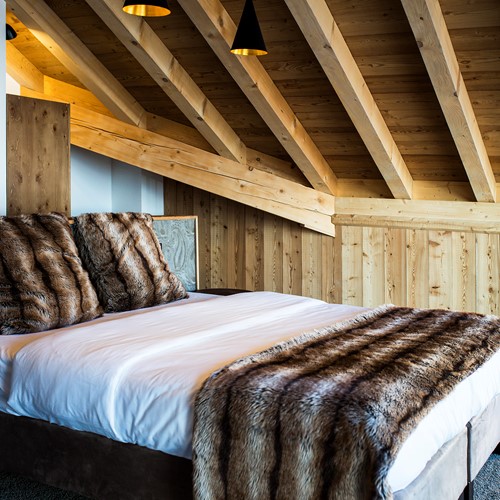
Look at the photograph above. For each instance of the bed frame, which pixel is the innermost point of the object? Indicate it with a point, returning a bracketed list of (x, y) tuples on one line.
[(98, 467)]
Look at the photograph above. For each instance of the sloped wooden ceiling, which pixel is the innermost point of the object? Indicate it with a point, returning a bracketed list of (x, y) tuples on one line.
[(356, 98)]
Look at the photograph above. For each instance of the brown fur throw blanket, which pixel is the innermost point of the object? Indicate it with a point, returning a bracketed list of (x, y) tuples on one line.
[(42, 282), (324, 415), (125, 261)]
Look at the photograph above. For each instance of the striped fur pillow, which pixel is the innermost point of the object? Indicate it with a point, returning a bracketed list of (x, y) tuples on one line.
[(42, 282), (125, 261)]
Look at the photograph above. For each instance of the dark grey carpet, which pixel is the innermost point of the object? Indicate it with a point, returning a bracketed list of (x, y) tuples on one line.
[(487, 486)]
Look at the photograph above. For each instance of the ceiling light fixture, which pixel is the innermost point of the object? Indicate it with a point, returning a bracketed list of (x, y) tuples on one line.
[(10, 32), (248, 40), (146, 8)]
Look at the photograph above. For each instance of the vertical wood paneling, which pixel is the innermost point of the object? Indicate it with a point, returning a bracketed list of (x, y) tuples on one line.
[(241, 247), (219, 242), (483, 274), (464, 272), (373, 266), (352, 266), (440, 269), (328, 270), (254, 249), (292, 261), (338, 276), (311, 262), (273, 254), (201, 206), (487, 262), (417, 268), (38, 162), (395, 266)]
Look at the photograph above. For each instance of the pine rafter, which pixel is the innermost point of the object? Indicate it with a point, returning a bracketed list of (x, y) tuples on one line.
[(53, 33), (22, 70), (95, 129), (198, 168), (218, 29), (152, 54), (323, 35), (433, 39), (101, 93)]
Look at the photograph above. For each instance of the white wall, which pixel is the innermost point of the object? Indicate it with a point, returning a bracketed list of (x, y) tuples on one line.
[(12, 86), (152, 193), (101, 184), (3, 116), (126, 191), (90, 182)]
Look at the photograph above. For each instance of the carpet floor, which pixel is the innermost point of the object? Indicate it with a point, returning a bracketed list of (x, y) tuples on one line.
[(486, 486)]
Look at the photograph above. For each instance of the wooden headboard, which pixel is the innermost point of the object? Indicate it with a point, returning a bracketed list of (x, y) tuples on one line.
[(179, 242)]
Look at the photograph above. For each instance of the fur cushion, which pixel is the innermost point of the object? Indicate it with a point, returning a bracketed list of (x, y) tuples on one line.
[(42, 282), (125, 261)]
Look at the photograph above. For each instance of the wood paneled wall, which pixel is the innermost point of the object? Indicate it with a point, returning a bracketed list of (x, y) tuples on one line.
[(420, 268), (242, 247), (38, 156)]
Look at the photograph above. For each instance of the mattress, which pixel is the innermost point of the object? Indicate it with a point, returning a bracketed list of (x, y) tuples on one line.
[(11, 344), (133, 377)]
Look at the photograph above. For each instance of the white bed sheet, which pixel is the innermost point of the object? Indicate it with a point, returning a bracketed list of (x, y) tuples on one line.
[(134, 378), (11, 344)]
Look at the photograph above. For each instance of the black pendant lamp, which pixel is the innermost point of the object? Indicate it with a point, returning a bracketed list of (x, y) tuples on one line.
[(10, 32), (149, 8), (248, 40)]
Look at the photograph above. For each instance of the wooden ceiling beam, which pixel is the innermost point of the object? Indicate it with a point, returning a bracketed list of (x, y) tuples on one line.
[(433, 39), (152, 54), (218, 29), (22, 70), (53, 33), (96, 130), (418, 214), (177, 160), (37, 85), (323, 35), (203, 170)]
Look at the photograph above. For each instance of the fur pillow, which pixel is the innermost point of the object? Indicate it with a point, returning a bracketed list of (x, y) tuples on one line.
[(125, 261), (42, 282)]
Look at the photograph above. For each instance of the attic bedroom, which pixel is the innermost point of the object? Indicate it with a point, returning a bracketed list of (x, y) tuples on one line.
[(338, 157)]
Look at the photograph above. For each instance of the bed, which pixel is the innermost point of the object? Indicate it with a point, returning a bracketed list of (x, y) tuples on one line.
[(103, 441)]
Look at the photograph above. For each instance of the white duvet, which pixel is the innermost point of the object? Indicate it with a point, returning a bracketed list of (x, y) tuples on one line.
[(133, 376)]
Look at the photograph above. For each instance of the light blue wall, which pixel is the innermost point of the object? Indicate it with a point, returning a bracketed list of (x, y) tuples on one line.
[(152, 193), (126, 190), (90, 182), (101, 184)]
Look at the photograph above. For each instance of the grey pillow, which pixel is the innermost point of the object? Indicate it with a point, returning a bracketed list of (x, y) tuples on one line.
[(125, 261), (42, 282)]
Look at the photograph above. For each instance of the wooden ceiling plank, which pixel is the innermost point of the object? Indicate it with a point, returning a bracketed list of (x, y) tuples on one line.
[(433, 39), (201, 169), (142, 42), (53, 33), (323, 35), (218, 29)]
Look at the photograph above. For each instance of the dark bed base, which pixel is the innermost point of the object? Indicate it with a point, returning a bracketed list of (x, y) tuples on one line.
[(98, 467), (89, 464)]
